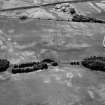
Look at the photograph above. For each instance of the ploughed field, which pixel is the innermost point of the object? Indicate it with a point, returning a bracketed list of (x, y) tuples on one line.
[(34, 40)]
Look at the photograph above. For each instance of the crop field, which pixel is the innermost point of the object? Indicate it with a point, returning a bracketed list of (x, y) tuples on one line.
[(40, 36)]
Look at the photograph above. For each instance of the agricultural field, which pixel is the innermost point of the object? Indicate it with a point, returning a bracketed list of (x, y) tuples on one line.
[(40, 36)]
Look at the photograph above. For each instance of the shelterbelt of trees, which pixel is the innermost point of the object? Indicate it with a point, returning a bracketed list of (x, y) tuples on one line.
[(93, 63)]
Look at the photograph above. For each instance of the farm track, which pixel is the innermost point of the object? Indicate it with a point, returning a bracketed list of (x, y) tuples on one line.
[(45, 5)]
